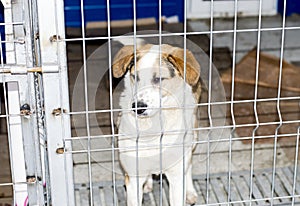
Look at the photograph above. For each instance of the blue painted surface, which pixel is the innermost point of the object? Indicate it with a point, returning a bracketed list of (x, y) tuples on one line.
[(2, 31), (96, 10), (292, 7)]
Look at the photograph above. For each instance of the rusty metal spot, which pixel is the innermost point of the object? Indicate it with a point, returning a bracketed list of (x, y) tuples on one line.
[(31, 179), (37, 36), (60, 150), (25, 110), (55, 38), (58, 111)]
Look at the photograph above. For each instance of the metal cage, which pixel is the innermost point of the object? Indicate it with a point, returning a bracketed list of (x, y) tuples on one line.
[(59, 103)]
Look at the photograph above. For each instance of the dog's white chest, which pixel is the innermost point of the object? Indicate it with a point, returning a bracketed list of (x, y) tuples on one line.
[(156, 139)]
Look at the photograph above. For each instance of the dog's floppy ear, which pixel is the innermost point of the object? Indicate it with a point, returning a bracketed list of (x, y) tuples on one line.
[(176, 57), (122, 61)]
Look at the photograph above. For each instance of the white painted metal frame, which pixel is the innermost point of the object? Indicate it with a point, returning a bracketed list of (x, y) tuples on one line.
[(26, 180), (16, 143), (53, 57)]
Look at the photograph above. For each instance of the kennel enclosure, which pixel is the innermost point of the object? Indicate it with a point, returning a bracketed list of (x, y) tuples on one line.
[(55, 160)]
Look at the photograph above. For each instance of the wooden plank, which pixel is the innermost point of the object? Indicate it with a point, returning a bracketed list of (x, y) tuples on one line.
[(120, 23), (265, 186), (147, 199), (96, 32), (219, 190), (211, 195), (109, 195), (156, 193), (256, 192), (77, 197), (296, 63), (150, 199), (96, 196), (165, 201), (102, 196), (84, 196), (121, 193), (279, 188), (241, 186), (267, 88), (166, 191), (202, 187), (286, 177), (268, 71), (290, 176), (234, 194), (7, 201), (165, 195), (201, 195)]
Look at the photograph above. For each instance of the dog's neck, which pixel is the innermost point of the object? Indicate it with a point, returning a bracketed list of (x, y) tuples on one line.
[(173, 114)]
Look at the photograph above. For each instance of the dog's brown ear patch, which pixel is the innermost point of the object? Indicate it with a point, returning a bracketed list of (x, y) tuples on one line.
[(122, 60), (176, 57)]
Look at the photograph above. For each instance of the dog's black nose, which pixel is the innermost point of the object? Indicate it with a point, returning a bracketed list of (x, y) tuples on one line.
[(141, 105)]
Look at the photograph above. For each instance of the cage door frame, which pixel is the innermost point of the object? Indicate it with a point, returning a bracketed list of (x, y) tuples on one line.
[(17, 158), (56, 96)]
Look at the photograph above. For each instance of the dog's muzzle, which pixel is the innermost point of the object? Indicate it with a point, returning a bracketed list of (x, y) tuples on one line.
[(140, 108)]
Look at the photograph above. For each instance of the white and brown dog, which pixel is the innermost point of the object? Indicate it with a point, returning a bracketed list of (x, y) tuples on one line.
[(158, 115)]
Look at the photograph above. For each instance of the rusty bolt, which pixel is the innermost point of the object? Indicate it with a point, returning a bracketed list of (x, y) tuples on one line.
[(60, 150), (58, 111), (30, 179), (25, 110), (37, 36), (55, 38), (33, 179)]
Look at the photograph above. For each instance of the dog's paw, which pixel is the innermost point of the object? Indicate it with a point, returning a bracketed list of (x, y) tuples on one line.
[(191, 197), (148, 186)]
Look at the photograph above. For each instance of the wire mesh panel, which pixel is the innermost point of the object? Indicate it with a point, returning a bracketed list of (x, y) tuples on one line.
[(148, 111), (247, 132), (22, 142)]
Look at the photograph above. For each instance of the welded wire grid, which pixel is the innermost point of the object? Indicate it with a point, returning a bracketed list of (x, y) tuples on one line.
[(22, 134), (99, 179), (98, 168), (8, 179)]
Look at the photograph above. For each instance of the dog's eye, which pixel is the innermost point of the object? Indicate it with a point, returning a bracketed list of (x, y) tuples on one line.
[(157, 79)]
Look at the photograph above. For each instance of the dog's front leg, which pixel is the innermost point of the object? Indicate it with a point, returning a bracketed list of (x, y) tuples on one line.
[(134, 188), (191, 194), (177, 185)]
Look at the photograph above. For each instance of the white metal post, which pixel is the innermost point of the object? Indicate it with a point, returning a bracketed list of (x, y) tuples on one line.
[(55, 83), (16, 144)]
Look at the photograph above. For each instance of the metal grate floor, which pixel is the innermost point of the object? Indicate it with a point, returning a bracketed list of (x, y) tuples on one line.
[(217, 192)]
